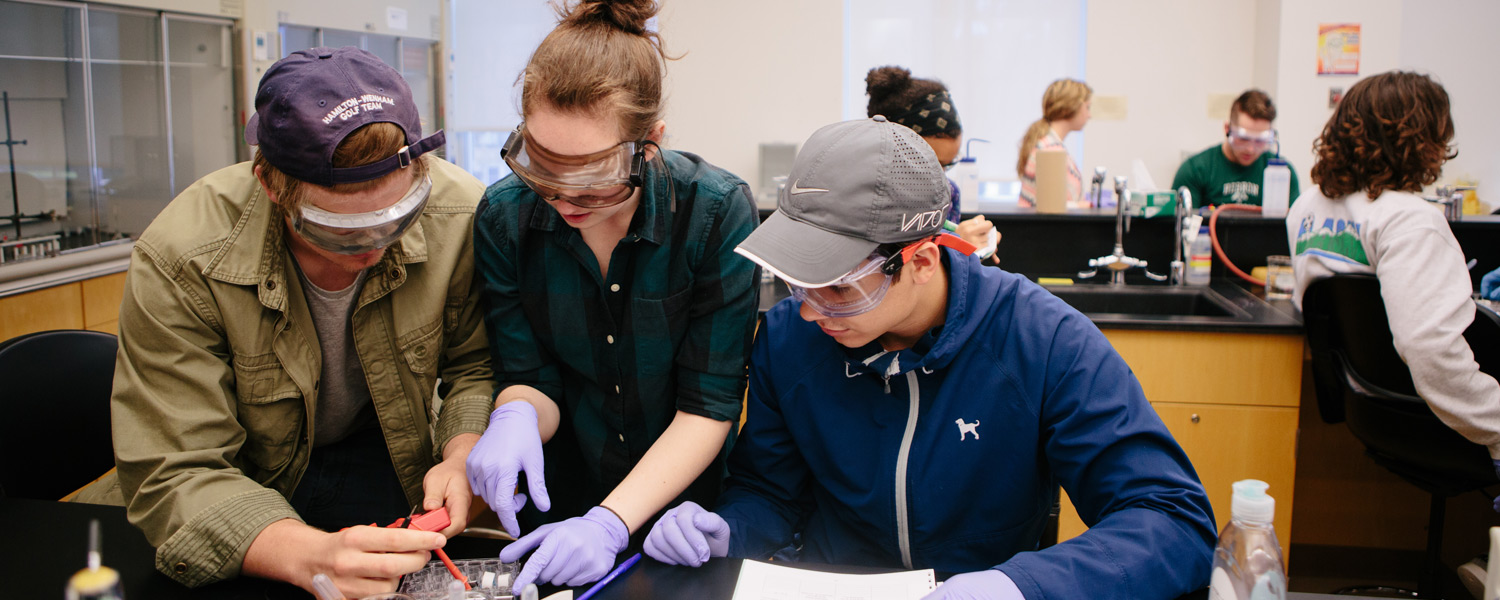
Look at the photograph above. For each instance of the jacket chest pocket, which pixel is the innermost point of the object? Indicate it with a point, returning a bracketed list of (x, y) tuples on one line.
[(271, 410), (420, 350), (661, 324)]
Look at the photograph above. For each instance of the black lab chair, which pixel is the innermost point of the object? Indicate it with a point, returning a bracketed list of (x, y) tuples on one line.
[(54, 398), (1362, 381)]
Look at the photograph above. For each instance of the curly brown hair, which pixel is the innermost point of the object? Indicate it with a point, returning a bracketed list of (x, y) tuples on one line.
[(1390, 132)]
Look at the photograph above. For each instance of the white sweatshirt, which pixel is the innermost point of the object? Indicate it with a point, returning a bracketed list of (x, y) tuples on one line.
[(1407, 244)]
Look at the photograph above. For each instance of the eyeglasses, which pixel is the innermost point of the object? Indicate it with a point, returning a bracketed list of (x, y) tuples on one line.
[(1239, 136), (598, 180), (359, 233)]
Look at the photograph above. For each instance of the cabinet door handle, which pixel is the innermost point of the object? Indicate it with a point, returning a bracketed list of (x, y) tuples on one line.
[(1195, 418)]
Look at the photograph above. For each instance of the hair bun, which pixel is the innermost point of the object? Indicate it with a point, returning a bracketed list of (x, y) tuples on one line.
[(628, 15), (887, 81)]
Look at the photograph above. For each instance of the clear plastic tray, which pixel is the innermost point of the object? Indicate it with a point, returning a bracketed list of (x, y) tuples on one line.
[(492, 576)]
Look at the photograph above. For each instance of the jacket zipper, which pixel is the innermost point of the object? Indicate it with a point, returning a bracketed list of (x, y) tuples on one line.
[(903, 533)]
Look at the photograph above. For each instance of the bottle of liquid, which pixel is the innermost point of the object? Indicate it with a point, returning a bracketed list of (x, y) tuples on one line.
[(1200, 257), (966, 175), (95, 582), (1275, 188), (1247, 562)]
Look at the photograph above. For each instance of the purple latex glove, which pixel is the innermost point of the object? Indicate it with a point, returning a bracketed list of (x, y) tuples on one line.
[(688, 535), (510, 444), (990, 584), (1497, 474), (573, 552), (1489, 287)]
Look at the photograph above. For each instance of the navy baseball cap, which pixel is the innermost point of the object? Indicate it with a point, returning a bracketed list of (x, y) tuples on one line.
[(311, 100)]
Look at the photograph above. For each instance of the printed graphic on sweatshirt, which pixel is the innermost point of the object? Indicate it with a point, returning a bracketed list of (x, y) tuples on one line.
[(1239, 192), (967, 428), (1338, 239)]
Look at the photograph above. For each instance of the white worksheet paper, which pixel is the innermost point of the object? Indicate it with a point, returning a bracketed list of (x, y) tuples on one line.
[(765, 581)]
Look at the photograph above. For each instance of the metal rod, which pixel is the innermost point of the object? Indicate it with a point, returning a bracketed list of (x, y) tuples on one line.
[(10, 150)]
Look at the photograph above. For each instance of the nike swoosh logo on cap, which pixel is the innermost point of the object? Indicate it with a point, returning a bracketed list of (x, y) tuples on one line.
[(802, 190)]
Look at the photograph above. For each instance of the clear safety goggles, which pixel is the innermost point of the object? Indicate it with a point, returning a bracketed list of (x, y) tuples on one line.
[(359, 233), (597, 180), (1239, 136), (862, 289)]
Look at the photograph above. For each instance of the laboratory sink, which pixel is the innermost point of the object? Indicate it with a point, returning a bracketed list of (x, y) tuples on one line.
[(1149, 302)]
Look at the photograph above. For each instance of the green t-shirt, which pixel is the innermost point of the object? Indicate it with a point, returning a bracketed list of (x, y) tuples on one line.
[(1214, 179)]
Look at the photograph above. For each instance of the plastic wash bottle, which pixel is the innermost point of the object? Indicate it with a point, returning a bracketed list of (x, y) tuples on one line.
[(1247, 561)]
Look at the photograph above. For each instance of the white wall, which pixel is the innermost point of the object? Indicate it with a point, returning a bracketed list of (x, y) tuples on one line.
[(751, 72), (1302, 94), (1170, 60), (1454, 41)]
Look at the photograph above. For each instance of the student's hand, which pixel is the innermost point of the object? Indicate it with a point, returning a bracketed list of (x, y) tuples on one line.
[(989, 584), (688, 535), (976, 231), (446, 484), (1489, 285), (573, 552), (510, 444), (370, 560)]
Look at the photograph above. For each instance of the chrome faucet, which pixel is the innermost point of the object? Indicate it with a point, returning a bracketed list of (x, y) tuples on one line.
[(1098, 187), (1179, 210), (1118, 262), (1452, 200)]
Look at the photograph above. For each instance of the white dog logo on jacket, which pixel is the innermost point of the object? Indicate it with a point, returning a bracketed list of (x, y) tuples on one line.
[(967, 428)]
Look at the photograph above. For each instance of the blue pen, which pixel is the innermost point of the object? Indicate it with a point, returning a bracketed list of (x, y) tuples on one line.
[(624, 566)]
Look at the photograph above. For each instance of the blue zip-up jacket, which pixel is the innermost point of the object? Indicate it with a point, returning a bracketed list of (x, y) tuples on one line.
[(944, 455)]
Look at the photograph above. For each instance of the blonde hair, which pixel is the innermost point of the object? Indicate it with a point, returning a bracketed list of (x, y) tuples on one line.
[(601, 60), (1062, 100), (368, 144)]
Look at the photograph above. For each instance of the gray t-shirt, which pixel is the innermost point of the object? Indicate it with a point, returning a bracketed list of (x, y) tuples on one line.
[(344, 404)]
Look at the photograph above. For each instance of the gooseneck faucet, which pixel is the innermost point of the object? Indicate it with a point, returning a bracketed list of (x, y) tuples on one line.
[(1179, 210), (1118, 262)]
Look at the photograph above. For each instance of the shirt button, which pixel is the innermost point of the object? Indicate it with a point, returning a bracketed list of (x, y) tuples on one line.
[(179, 568), (622, 437), (617, 389), (609, 338), (614, 287)]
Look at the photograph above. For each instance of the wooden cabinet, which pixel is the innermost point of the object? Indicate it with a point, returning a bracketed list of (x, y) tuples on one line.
[(89, 304), (1230, 400)]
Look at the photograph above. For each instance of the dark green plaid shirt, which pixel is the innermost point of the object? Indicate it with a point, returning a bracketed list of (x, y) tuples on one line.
[(668, 330)]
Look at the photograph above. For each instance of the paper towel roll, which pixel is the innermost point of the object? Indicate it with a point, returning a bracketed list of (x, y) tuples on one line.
[(1052, 181)]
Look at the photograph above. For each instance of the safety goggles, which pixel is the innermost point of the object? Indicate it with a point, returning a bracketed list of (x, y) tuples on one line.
[(597, 180), (1239, 136), (360, 233), (862, 289)]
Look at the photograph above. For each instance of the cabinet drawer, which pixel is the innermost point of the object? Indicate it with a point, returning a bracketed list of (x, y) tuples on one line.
[(1213, 368)]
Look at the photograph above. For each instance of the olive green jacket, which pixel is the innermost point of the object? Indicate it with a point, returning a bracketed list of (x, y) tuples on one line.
[(216, 379)]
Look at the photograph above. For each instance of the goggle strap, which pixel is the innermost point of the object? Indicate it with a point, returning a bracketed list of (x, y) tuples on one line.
[(894, 263)]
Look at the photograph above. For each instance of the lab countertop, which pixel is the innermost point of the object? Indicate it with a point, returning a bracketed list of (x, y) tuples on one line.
[(1247, 311)]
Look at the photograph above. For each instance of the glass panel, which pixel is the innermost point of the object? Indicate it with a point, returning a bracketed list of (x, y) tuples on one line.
[(130, 134), (41, 75), (481, 153), (383, 46), (416, 68), (203, 128), (334, 38), (296, 37)]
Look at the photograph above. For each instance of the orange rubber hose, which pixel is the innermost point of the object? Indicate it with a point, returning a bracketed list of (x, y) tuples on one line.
[(1213, 236)]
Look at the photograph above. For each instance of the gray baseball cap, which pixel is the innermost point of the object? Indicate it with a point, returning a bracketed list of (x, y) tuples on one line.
[(853, 186)]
